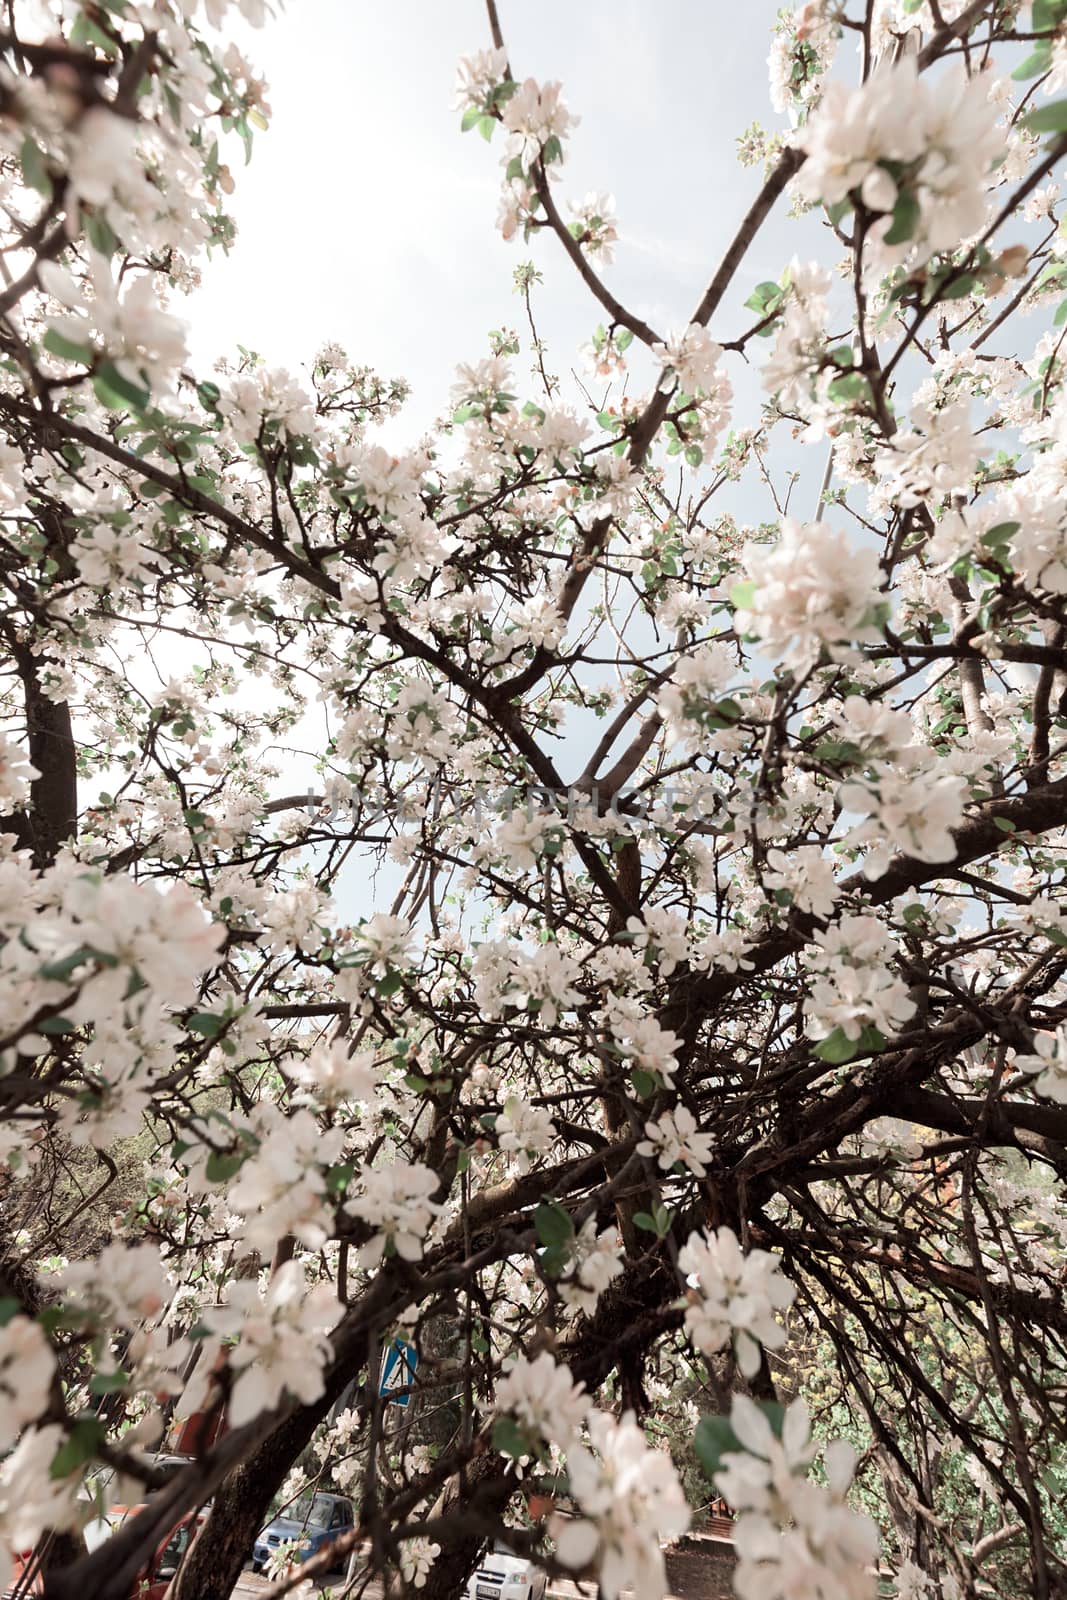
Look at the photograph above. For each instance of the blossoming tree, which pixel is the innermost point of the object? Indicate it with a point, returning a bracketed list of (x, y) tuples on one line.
[(715, 1057)]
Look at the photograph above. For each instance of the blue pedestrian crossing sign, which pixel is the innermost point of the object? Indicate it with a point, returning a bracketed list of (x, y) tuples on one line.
[(398, 1372)]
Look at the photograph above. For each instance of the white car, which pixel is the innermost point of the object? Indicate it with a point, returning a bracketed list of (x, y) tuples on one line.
[(502, 1575)]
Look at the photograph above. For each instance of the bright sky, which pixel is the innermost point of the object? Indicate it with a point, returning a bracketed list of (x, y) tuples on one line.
[(367, 217)]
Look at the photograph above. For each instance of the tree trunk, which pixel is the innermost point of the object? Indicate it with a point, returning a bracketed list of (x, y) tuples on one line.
[(215, 1559)]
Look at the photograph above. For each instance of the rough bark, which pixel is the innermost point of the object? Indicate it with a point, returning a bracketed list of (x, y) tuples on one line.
[(52, 817)]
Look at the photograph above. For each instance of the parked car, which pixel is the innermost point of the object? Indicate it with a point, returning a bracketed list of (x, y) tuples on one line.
[(102, 1527), (502, 1575), (310, 1522), (151, 1582)]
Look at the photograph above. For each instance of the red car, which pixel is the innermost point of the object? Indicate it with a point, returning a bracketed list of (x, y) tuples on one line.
[(27, 1578)]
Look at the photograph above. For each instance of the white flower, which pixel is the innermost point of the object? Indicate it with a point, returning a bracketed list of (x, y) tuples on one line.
[(27, 1367), (912, 1582), (395, 1201), (1050, 1060), (477, 76), (800, 346), (282, 1341), (533, 115), (811, 589), (544, 1398), (334, 1073), (282, 1187), (936, 459), (693, 690), (794, 1537), (874, 726), (31, 1500), (642, 1041), (937, 139), (383, 943), (417, 1556), (596, 1259), (808, 876), (263, 397), (676, 1137), (520, 838), (545, 979), (630, 1499), (913, 812), (16, 773), (854, 987), (146, 343), (690, 358), (736, 1297), (120, 1287), (524, 1130), (594, 224)]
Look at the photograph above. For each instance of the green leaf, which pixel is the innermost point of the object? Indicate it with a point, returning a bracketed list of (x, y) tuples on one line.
[(644, 1220), (34, 169), (624, 339), (84, 1440), (958, 287), (100, 235), (509, 1439), (206, 1023), (59, 970), (67, 349), (9, 1307), (472, 115), (714, 1438), (1005, 824), (850, 386), (905, 218), (115, 391), (221, 1168), (1048, 14), (108, 1382), (836, 750), (339, 1177), (1000, 535), (764, 297), (53, 1025), (742, 595), (644, 1083), (553, 1225), (839, 1048), (1048, 119), (1035, 64), (485, 127)]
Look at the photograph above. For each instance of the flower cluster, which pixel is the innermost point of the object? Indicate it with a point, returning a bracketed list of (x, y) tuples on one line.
[(282, 1343), (792, 1536), (918, 154), (735, 1296), (813, 590), (629, 1499)]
